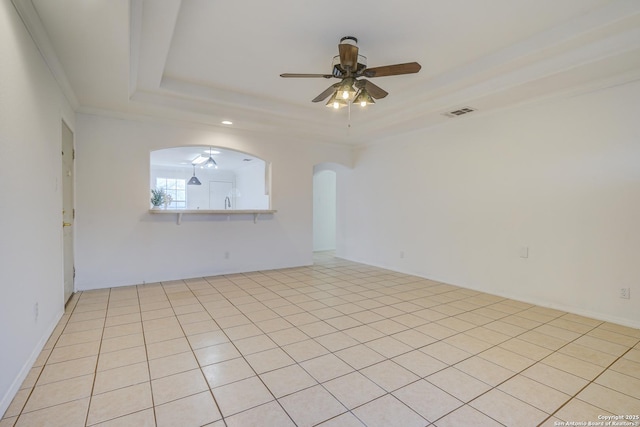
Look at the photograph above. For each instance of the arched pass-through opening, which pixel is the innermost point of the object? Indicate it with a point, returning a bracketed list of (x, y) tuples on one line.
[(209, 178)]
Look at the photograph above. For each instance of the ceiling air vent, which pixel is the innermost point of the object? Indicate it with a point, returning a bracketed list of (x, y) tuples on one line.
[(459, 112)]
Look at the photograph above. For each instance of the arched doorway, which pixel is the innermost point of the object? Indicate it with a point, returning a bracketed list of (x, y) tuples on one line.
[(324, 209)]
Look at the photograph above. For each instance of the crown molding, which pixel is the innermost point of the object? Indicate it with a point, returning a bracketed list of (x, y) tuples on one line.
[(33, 24)]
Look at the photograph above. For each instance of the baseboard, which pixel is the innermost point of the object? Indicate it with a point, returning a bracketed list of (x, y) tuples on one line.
[(571, 309), (324, 249), (17, 382), (542, 303)]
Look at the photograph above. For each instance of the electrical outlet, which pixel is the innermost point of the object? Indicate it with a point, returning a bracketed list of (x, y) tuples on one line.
[(35, 312), (227, 255), (401, 254), (625, 293)]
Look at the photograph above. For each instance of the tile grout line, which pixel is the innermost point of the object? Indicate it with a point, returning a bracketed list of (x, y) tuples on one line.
[(322, 384), (541, 361), (458, 333), (215, 401), (472, 355), (44, 365), (522, 370), (408, 328), (278, 346), (146, 352), (300, 281), (302, 367), (95, 370), (385, 358), (575, 396), (239, 352), (548, 322), (100, 355)]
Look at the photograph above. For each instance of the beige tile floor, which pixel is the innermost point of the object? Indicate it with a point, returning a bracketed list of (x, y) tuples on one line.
[(334, 344)]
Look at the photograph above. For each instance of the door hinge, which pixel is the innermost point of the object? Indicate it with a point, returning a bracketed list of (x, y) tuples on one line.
[(73, 154), (74, 271), (73, 213)]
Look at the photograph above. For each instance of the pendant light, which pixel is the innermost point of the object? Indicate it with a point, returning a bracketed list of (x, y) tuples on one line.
[(194, 180), (211, 163)]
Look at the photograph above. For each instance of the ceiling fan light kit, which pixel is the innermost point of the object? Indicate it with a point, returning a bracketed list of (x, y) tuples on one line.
[(351, 68)]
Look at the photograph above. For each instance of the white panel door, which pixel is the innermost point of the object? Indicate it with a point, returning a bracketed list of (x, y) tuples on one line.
[(67, 210)]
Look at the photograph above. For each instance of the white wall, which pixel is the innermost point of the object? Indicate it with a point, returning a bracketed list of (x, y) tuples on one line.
[(561, 178), (31, 110), (120, 243), (324, 210)]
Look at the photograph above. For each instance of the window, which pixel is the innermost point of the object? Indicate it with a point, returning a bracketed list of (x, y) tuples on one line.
[(176, 188)]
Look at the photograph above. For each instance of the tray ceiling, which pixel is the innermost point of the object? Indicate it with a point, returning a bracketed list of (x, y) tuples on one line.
[(203, 61)]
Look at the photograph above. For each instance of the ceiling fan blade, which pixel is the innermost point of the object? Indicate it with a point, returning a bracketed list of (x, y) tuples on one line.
[(289, 75), (328, 91), (376, 92), (348, 56), (392, 70)]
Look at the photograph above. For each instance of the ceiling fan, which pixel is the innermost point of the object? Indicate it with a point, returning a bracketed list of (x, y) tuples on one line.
[(351, 68)]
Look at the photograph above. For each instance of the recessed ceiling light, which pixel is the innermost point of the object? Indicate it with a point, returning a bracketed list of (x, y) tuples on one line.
[(227, 122)]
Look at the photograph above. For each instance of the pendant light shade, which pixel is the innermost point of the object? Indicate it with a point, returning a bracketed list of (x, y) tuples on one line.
[(194, 179), (363, 98), (337, 102), (346, 90), (210, 162)]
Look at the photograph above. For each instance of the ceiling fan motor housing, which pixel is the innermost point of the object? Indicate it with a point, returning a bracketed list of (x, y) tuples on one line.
[(349, 40), (340, 72), (348, 49)]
